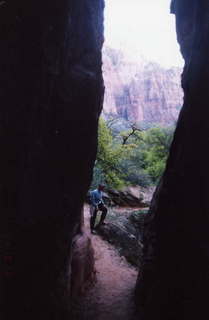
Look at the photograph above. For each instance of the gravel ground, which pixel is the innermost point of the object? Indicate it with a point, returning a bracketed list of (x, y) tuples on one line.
[(112, 296)]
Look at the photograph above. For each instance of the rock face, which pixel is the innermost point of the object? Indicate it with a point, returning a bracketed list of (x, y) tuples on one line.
[(83, 271), (51, 93), (141, 92), (128, 197), (124, 229), (174, 283)]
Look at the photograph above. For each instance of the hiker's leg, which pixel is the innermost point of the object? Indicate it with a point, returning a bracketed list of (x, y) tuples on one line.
[(93, 218), (104, 212)]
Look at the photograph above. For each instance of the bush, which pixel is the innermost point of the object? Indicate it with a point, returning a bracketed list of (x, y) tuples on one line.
[(131, 157)]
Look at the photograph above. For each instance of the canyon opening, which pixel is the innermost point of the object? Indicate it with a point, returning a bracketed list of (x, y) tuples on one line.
[(142, 100), (142, 255)]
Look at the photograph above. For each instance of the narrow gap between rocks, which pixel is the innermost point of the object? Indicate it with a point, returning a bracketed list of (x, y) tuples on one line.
[(112, 296), (142, 101)]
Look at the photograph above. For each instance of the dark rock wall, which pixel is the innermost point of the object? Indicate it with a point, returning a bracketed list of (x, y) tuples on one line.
[(174, 283), (51, 93)]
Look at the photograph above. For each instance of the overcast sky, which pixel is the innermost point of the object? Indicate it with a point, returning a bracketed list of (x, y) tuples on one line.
[(143, 27)]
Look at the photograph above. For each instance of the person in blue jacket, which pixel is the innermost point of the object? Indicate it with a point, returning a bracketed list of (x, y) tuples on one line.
[(97, 204)]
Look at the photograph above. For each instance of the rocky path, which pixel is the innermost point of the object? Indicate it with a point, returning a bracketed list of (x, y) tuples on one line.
[(112, 296)]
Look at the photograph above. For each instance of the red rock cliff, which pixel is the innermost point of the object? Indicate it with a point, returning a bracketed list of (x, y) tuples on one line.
[(143, 91)]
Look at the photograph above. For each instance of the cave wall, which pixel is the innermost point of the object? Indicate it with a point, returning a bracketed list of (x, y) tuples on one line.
[(51, 93), (174, 282)]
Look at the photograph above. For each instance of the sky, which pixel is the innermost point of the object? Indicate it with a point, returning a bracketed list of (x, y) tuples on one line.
[(143, 27)]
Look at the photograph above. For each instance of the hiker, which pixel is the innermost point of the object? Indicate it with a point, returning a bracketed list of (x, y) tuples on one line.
[(97, 204)]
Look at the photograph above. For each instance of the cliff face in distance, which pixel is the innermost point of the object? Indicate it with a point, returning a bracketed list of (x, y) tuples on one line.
[(141, 92)]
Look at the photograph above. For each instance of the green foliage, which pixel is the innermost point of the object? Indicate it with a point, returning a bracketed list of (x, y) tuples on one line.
[(108, 157), (155, 149), (131, 157)]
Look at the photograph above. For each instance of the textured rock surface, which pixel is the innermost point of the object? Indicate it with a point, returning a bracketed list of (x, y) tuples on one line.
[(83, 268), (142, 91), (128, 197), (51, 95), (175, 283), (124, 229)]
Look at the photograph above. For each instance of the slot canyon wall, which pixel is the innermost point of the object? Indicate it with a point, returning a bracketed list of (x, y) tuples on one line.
[(51, 92), (174, 282)]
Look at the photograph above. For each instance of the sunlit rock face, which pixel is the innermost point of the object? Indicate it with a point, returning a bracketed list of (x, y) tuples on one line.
[(141, 91), (51, 92), (174, 282)]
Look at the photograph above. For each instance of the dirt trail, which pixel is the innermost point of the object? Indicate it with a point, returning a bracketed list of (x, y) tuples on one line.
[(112, 296)]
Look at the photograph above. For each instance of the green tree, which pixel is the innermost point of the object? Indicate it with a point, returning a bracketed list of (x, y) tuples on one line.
[(155, 149), (146, 161), (132, 156), (109, 155)]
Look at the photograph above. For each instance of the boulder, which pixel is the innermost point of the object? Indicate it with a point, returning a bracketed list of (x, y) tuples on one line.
[(127, 197), (124, 230)]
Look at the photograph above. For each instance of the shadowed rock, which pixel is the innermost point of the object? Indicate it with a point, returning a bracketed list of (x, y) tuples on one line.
[(124, 229), (51, 93), (174, 283)]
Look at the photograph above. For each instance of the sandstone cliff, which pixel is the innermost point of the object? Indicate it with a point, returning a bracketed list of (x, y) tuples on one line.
[(141, 91)]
